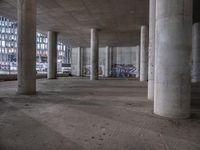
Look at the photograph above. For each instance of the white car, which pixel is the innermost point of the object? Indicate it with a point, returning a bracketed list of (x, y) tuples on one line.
[(66, 70)]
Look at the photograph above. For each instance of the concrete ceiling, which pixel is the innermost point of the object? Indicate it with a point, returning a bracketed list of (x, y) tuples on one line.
[(119, 20)]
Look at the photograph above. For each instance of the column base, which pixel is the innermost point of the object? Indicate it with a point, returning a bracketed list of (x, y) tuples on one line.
[(169, 116), (93, 79), (26, 92), (52, 78)]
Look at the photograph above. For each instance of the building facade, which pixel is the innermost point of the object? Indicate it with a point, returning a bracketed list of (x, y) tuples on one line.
[(8, 49)]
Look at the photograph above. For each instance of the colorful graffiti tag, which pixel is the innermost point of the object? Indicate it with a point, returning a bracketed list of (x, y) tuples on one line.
[(87, 68), (122, 70)]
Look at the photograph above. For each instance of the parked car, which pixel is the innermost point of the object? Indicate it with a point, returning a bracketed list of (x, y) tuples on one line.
[(66, 69)]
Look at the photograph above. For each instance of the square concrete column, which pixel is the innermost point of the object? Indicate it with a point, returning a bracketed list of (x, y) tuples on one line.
[(196, 53), (52, 55), (94, 54), (172, 58), (138, 62), (151, 67), (80, 61), (144, 54), (26, 55)]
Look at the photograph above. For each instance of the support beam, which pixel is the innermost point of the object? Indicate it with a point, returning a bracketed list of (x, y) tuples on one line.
[(94, 54), (52, 55), (196, 53), (144, 54), (26, 46), (172, 63), (151, 64)]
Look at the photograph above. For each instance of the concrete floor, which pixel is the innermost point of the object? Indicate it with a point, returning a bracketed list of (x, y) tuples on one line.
[(78, 114)]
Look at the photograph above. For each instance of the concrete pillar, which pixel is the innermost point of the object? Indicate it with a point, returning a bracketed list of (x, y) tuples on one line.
[(151, 64), (80, 61), (52, 55), (94, 54), (107, 62), (144, 54), (172, 64), (196, 53), (26, 46), (138, 62), (110, 61)]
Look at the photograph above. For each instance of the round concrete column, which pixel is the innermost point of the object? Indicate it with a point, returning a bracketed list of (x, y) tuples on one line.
[(80, 61), (110, 60), (151, 64), (107, 62), (144, 54), (26, 55), (172, 58), (138, 62), (52, 55), (94, 54), (196, 53)]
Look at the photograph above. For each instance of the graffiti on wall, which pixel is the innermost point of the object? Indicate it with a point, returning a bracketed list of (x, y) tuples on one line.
[(122, 70), (87, 69)]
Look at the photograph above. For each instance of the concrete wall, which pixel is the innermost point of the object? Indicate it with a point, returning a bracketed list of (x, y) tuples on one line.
[(86, 61), (11, 77), (75, 65), (124, 62), (124, 55), (120, 56)]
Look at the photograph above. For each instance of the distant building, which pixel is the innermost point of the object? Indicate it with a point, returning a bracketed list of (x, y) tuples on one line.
[(8, 48)]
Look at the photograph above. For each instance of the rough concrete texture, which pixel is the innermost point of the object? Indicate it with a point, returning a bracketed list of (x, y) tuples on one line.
[(79, 114), (172, 58), (52, 55), (138, 62), (72, 19), (118, 55), (76, 62), (94, 54), (144, 53), (196, 53), (119, 19), (26, 46), (124, 55), (107, 62), (110, 61), (151, 63)]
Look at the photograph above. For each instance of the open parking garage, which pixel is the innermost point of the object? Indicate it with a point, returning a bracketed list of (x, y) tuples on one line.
[(136, 73)]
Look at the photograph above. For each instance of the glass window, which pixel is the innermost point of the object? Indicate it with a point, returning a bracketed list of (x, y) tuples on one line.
[(8, 43), (3, 44)]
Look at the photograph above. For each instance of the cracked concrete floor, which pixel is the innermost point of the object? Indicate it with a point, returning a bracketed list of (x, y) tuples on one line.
[(78, 114)]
